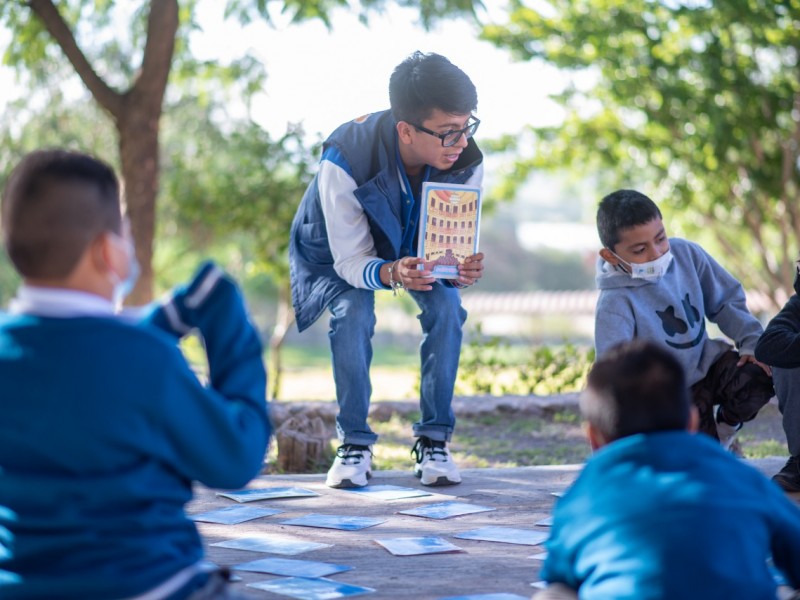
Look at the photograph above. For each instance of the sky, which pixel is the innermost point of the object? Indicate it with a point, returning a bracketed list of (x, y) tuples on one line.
[(324, 78)]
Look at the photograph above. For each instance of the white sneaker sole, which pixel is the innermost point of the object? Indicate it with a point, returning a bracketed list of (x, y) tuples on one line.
[(347, 483), (441, 480)]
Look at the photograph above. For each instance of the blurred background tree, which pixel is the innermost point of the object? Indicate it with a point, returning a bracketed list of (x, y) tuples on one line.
[(127, 75), (695, 102)]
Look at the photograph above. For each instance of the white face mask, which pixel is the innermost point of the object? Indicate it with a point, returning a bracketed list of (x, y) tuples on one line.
[(123, 287), (649, 271)]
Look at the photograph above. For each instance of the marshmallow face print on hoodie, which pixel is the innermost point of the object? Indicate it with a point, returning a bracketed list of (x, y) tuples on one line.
[(680, 325)]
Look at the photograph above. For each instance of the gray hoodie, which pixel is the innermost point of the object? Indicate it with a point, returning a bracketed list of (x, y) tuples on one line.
[(673, 310)]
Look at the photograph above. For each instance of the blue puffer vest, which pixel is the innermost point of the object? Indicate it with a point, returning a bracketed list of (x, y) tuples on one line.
[(368, 144)]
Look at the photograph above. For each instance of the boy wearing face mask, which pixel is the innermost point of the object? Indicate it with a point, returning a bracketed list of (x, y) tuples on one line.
[(663, 289), (104, 425)]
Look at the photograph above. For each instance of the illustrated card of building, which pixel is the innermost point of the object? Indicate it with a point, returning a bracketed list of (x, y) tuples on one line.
[(449, 226)]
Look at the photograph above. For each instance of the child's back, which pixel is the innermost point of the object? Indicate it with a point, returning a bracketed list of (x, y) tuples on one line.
[(659, 512), (105, 426)]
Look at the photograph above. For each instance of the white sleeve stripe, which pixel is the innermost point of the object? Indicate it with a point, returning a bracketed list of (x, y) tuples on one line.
[(204, 289), (372, 275), (175, 321)]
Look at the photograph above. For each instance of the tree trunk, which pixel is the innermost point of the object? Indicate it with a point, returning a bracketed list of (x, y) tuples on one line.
[(284, 320), (136, 114), (138, 150)]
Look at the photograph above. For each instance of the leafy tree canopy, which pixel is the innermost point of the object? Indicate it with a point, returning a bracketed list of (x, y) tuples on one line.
[(696, 102)]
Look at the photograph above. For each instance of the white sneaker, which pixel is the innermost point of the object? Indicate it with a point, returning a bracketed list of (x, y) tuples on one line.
[(727, 435), (434, 464), (351, 468)]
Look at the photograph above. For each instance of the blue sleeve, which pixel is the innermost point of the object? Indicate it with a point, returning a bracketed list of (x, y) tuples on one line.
[(786, 536), (222, 437), (559, 565)]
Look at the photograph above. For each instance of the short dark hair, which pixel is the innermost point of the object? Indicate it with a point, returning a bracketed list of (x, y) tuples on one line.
[(636, 387), (622, 210), (55, 203), (424, 82)]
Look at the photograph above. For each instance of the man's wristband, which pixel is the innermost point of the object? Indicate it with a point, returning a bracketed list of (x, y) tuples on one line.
[(395, 285)]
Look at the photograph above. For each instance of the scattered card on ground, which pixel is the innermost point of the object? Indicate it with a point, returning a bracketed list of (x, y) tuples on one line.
[(546, 522), (252, 495), (499, 596), (412, 546), (307, 588), (291, 567), (388, 492), (506, 535), (271, 544), (334, 522), (231, 515), (557, 494), (445, 510)]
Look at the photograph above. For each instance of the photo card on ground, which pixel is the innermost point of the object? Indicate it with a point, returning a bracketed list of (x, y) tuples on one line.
[(445, 510), (334, 522), (413, 546), (306, 588), (252, 495), (291, 567), (505, 535), (271, 544), (232, 515)]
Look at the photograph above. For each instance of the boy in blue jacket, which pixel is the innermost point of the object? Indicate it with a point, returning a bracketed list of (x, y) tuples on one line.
[(660, 513), (104, 425), (663, 289)]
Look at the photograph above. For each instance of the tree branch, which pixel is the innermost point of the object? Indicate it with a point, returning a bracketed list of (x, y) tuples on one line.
[(162, 27), (48, 14)]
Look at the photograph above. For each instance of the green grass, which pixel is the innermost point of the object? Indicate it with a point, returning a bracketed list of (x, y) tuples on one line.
[(300, 357), (763, 448)]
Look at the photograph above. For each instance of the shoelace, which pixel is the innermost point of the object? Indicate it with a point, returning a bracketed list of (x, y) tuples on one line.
[(435, 450), (351, 453)]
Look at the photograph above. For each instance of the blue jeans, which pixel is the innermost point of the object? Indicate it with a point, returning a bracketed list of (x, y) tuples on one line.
[(352, 326)]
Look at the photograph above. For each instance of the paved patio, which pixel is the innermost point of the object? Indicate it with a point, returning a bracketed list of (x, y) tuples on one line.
[(521, 497)]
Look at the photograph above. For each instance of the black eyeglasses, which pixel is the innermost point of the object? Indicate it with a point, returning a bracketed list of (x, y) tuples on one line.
[(450, 138)]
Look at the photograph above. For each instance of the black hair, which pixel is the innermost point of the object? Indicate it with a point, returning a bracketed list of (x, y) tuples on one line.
[(636, 387), (424, 82), (622, 210), (56, 202)]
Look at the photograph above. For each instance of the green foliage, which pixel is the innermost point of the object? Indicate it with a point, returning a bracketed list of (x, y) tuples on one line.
[(303, 10), (496, 368), (695, 103), (232, 184)]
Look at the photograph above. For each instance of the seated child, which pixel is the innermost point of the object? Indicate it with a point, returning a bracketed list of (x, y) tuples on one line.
[(663, 289), (779, 347), (659, 513), (104, 425)]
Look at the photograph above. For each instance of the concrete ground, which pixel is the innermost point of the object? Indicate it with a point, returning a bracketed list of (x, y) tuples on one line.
[(520, 496)]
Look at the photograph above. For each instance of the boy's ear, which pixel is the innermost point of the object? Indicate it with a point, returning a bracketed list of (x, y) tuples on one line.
[(103, 253), (694, 420), (609, 257), (404, 132), (596, 439)]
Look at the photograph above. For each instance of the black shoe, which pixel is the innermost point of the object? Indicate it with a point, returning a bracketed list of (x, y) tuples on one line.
[(789, 476)]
